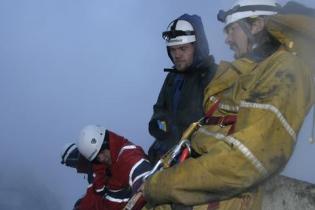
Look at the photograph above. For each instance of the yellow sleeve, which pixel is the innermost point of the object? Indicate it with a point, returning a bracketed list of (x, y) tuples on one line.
[(270, 114)]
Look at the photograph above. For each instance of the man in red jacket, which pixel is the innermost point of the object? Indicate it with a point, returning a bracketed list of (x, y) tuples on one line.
[(118, 167)]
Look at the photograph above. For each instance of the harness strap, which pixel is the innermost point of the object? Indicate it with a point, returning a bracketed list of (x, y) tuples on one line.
[(221, 121), (213, 108)]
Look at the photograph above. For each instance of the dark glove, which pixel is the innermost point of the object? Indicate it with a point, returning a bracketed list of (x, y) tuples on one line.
[(77, 204), (70, 155), (159, 129), (156, 151), (100, 178)]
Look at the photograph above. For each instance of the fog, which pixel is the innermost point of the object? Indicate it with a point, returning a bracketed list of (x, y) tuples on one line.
[(68, 63)]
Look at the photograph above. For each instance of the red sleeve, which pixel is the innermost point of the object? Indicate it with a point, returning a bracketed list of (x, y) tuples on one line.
[(121, 169), (100, 178)]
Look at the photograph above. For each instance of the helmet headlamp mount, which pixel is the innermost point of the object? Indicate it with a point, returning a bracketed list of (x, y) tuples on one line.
[(168, 35), (222, 15)]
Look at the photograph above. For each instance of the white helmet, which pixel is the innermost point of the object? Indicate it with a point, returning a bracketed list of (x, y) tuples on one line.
[(179, 32), (248, 8), (90, 141)]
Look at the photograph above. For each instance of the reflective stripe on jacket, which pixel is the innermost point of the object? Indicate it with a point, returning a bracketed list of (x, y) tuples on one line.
[(270, 99)]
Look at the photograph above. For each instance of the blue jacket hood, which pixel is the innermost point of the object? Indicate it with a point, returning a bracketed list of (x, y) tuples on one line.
[(201, 44)]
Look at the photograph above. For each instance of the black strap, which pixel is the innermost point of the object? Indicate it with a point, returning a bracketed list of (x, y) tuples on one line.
[(167, 35), (254, 8), (172, 33), (222, 14), (173, 27)]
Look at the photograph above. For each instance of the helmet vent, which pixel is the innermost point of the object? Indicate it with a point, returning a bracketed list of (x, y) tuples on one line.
[(93, 141)]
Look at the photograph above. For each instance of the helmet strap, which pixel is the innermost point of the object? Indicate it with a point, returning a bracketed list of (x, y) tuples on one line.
[(105, 144), (173, 27), (246, 27)]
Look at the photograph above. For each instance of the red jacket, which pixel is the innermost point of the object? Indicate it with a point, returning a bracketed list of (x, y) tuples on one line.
[(112, 187)]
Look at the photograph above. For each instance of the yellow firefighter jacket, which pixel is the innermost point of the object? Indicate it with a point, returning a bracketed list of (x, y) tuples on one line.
[(270, 100)]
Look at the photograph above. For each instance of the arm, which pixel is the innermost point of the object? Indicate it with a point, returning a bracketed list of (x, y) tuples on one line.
[(130, 168), (158, 125), (71, 157), (100, 178)]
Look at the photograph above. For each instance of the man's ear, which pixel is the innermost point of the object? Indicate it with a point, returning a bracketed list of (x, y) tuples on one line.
[(258, 25)]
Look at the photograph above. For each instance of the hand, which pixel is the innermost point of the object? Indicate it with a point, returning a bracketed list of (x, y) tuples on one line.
[(159, 128), (162, 125), (100, 178), (68, 151), (77, 204)]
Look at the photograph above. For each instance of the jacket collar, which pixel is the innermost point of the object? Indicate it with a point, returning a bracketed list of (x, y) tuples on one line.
[(227, 73)]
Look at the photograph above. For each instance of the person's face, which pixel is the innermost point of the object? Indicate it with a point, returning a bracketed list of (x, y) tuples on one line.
[(237, 39), (104, 157), (182, 55)]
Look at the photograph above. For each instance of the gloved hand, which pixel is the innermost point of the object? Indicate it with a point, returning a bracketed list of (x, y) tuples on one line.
[(162, 125), (100, 178), (156, 151), (69, 155), (77, 204), (159, 128)]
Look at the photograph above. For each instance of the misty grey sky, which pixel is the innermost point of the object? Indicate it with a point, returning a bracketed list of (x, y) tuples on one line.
[(68, 63)]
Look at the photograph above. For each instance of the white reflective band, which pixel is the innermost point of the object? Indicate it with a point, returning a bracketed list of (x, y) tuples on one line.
[(114, 191), (140, 176), (116, 199), (273, 109), (133, 169), (248, 154), (241, 147), (125, 148), (227, 107), (100, 190)]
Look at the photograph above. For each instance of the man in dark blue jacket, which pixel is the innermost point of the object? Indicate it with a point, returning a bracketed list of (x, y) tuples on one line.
[(181, 97)]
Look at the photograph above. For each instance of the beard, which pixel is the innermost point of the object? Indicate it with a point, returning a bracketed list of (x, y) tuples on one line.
[(181, 66)]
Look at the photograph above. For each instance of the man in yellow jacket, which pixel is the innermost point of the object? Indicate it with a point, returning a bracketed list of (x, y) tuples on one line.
[(258, 104)]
